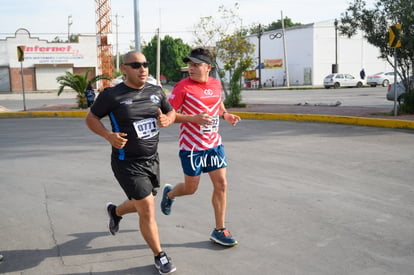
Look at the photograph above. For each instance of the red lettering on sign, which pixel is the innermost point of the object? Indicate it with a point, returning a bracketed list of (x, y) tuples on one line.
[(40, 50)]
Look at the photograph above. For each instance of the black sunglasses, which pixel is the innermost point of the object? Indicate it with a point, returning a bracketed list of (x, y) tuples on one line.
[(137, 65)]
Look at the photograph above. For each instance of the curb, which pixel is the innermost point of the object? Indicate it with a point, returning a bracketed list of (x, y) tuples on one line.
[(30, 114), (351, 120), (375, 122)]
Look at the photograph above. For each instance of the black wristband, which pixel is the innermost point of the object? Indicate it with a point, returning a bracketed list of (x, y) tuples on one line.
[(222, 115)]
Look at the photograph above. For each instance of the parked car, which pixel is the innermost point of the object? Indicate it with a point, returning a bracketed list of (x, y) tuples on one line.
[(117, 80), (341, 80), (399, 86), (120, 79), (381, 78)]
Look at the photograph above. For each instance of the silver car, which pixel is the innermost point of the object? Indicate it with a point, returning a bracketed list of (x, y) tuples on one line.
[(341, 80), (382, 78), (400, 89)]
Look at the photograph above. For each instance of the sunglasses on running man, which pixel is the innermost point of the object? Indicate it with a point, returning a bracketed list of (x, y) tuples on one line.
[(137, 65)]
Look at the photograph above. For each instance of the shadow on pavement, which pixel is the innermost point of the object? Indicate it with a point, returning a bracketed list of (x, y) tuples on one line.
[(19, 260)]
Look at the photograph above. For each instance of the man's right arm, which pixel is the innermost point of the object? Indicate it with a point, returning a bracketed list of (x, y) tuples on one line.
[(117, 140)]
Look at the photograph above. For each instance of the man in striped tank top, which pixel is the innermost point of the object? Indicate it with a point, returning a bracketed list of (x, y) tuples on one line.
[(198, 103)]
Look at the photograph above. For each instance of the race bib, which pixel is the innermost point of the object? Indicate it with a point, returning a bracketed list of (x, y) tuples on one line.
[(146, 128), (212, 128)]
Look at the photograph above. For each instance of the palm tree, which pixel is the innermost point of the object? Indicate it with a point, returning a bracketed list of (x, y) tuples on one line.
[(79, 83)]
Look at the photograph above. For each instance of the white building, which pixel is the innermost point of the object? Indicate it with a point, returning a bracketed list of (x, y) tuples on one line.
[(43, 61), (310, 54)]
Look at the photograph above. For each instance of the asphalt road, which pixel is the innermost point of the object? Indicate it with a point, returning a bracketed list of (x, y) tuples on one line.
[(303, 198)]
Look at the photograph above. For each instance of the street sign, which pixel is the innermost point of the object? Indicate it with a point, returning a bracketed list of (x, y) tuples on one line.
[(395, 36), (20, 53)]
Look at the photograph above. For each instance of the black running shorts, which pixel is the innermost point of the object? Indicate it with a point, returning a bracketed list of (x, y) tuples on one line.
[(138, 178)]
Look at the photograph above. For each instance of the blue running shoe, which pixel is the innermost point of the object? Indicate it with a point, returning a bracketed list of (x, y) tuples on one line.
[(223, 237), (166, 202)]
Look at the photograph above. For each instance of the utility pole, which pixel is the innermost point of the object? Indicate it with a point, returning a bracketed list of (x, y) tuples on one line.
[(285, 51), (259, 36), (117, 43)]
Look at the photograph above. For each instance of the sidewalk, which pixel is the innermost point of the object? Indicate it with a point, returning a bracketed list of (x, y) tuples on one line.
[(373, 112), (366, 116)]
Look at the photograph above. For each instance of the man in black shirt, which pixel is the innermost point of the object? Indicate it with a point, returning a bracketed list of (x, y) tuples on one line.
[(137, 110)]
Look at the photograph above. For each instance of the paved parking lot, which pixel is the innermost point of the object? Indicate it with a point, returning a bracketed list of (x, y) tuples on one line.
[(304, 198)]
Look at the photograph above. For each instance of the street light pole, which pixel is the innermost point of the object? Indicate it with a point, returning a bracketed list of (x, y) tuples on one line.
[(69, 24), (335, 69), (137, 26), (116, 48), (158, 72)]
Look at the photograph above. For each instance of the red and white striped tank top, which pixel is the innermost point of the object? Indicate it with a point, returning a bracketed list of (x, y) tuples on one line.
[(191, 97)]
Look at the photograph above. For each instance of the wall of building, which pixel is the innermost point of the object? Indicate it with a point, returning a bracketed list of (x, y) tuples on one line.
[(310, 53), (353, 53), (324, 50), (299, 49), (44, 61)]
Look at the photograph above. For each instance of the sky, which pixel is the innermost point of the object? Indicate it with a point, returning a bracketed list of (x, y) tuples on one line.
[(47, 19)]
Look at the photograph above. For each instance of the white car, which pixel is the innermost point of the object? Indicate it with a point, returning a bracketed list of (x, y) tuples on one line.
[(120, 79), (117, 80), (381, 78), (341, 80)]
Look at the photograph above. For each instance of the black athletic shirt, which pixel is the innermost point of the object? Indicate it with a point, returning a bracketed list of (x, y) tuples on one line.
[(133, 112)]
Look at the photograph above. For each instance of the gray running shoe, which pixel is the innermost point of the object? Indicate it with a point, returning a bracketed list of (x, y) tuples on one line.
[(113, 218), (164, 264)]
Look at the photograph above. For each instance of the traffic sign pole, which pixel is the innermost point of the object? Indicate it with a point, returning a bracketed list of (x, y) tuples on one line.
[(395, 81), (24, 97), (395, 42), (20, 58)]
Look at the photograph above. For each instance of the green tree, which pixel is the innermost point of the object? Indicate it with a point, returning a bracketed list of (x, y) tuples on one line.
[(172, 51), (116, 72), (276, 25), (57, 40), (209, 29), (74, 38), (233, 49), (78, 83), (375, 23), (236, 54)]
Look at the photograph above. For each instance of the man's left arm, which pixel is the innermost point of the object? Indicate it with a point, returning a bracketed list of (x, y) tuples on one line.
[(165, 120), (230, 118)]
